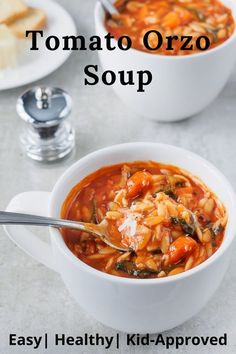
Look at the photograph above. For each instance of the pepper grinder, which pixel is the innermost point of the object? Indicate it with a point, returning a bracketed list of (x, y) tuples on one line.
[(47, 136)]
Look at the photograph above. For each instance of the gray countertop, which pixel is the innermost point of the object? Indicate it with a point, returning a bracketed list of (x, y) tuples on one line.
[(33, 299)]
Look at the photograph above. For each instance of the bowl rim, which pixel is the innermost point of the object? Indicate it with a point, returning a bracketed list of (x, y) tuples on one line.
[(227, 241), (100, 20)]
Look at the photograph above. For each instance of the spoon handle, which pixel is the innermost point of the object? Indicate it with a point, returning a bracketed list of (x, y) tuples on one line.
[(109, 7), (7, 218)]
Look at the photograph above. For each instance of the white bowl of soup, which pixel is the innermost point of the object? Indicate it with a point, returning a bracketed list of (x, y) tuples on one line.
[(183, 82), (149, 192)]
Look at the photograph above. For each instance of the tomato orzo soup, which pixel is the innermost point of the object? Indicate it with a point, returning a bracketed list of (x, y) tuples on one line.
[(194, 18), (170, 220)]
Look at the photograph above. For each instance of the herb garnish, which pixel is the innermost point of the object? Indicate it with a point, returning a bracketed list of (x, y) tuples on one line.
[(130, 268), (187, 228), (168, 192)]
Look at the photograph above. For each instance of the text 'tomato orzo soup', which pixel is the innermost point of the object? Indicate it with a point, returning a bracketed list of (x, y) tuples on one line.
[(194, 18), (170, 220)]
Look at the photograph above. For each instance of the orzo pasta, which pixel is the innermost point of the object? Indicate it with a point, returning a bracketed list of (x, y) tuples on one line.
[(170, 220), (179, 18)]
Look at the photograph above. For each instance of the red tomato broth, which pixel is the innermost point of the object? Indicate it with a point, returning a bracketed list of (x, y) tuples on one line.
[(194, 18), (167, 244)]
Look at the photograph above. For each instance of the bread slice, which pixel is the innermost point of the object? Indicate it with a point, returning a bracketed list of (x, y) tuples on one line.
[(8, 48), (11, 10), (34, 20)]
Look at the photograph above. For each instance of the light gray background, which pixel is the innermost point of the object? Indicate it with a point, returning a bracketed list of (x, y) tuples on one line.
[(33, 299)]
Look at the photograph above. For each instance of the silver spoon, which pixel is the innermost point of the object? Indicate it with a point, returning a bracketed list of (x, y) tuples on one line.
[(100, 230), (111, 9)]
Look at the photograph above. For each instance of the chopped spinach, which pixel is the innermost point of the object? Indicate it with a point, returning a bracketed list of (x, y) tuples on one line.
[(199, 14), (168, 192), (145, 273), (156, 251), (187, 228), (130, 268), (216, 230), (171, 194), (180, 184), (125, 266)]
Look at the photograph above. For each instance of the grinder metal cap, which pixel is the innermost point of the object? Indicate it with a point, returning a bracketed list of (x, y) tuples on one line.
[(47, 136), (44, 106)]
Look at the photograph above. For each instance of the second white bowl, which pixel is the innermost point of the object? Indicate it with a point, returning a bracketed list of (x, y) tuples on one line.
[(182, 85)]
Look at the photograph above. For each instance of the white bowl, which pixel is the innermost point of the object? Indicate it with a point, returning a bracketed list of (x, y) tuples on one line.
[(130, 305), (182, 85)]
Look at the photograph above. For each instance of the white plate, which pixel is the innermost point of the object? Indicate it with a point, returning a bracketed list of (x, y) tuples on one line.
[(34, 65)]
